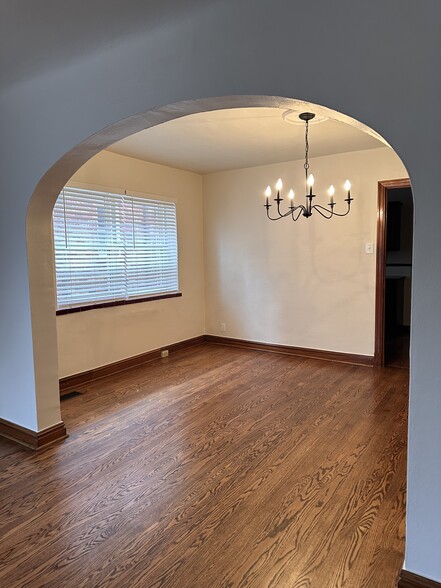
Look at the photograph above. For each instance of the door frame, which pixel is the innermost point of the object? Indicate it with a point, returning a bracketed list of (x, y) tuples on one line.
[(380, 281)]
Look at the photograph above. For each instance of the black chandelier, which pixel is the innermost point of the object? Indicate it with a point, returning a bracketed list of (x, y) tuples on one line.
[(306, 210)]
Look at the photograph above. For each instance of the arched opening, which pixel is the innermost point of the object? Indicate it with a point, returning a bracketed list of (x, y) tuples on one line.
[(40, 246), (39, 228)]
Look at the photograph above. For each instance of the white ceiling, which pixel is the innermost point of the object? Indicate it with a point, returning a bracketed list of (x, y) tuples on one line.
[(236, 138)]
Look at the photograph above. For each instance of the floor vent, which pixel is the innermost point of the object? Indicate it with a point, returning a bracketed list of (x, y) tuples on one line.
[(71, 394)]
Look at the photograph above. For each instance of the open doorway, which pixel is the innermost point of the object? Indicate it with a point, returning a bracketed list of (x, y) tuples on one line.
[(394, 273)]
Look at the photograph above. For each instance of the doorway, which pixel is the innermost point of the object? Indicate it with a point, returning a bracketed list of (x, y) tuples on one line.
[(394, 273)]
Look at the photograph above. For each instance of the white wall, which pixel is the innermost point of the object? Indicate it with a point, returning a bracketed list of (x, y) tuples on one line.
[(308, 283), (98, 337)]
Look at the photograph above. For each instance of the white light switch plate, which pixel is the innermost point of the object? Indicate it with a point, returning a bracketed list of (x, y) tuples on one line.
[(369, 248)]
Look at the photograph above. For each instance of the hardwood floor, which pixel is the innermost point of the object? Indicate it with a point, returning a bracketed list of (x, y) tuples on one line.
[(397, 351), (216, 467)]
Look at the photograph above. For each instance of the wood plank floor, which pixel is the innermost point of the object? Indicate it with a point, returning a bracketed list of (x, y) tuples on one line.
[(216, 467)]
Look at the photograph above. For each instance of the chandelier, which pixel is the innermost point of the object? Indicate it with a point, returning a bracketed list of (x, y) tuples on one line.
[(307, 209)]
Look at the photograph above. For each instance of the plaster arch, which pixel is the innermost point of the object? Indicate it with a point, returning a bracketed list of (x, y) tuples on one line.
[(39, 223), (376, 61)]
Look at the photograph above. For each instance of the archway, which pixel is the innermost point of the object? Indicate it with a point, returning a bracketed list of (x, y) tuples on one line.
[(39, 224), (379, 78), (55, 190), (39, 227)]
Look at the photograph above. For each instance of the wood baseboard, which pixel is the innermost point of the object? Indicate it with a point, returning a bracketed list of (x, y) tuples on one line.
[(69, 382), (366, 360), (32, 439), (37, 440), (411, 580)]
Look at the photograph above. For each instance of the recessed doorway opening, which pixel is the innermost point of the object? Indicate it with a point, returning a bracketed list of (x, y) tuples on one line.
[(394, 273)]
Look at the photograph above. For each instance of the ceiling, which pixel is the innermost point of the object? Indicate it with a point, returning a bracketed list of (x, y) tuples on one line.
[(237, 138)]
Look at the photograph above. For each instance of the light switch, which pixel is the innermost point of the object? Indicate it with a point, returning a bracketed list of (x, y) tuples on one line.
[(369, 247)]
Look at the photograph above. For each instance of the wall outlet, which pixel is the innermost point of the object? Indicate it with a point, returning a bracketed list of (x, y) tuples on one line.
[(164, 353), (369, 248), (223, 327)]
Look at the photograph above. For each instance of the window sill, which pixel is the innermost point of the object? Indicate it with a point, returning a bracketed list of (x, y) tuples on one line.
[(116, 303)]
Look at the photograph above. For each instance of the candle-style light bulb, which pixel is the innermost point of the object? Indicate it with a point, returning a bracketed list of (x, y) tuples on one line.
[(331, 193), (267, 197), (310, 183), (348, 186), (279, 185), (291, 197)]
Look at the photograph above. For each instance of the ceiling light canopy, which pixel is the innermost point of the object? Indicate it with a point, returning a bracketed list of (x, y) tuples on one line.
[(307, 209), (292, 117)]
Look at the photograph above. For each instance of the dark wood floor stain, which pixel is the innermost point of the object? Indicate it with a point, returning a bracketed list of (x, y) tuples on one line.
[(213, 468), (397, 350)]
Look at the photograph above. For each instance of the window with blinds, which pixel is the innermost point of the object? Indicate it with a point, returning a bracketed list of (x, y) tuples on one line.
[(111, 247)]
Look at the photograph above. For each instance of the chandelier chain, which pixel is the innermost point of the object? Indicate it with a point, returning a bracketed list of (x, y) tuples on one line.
[(306, 165)]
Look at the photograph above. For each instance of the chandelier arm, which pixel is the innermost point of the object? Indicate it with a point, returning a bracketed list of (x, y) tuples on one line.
[(319, 209), (270, 217), (343, 213), (301, 210), (291, 212), (331, 212), (279, 213), (294, 208), (278, 207)]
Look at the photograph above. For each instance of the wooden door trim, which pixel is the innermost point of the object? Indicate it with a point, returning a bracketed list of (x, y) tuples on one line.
[(380, 281)]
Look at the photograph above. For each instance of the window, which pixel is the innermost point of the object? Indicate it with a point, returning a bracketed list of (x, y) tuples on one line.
[(113, 247)]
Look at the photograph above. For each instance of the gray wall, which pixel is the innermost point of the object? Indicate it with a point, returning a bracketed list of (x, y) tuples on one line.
[(376, 61)]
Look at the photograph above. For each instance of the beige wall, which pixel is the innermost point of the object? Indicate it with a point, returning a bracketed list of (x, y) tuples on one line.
[(102, 336), (309, 283)]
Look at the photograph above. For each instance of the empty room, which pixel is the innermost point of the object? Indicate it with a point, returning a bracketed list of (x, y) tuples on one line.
[(220, 316)]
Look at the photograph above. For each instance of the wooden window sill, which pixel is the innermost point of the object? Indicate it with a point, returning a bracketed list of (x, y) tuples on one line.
[(116, 303)]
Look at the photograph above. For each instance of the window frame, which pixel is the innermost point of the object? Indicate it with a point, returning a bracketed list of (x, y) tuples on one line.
[(86, 306)]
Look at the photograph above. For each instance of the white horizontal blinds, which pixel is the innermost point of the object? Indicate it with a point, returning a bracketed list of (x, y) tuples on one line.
[(152, 255), (89, 247), (113, 247)]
